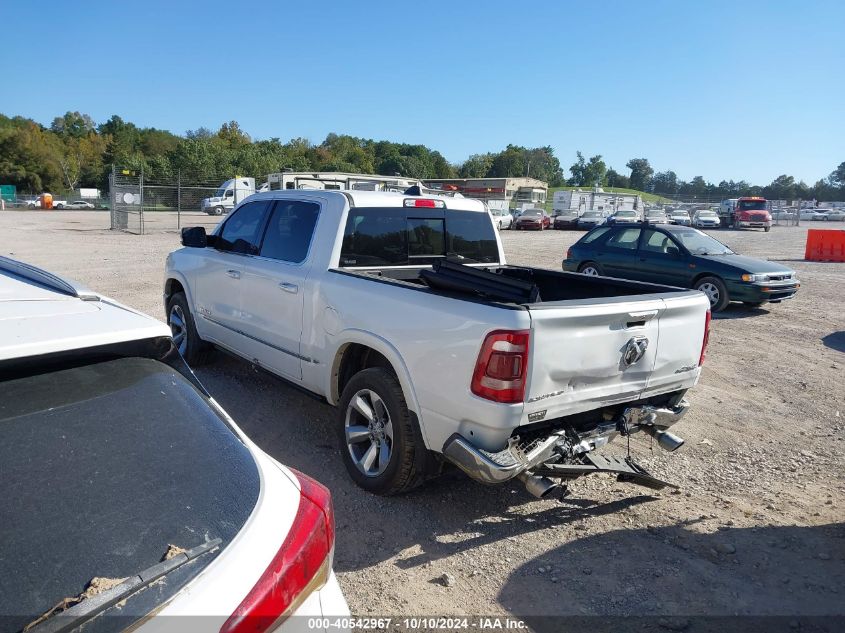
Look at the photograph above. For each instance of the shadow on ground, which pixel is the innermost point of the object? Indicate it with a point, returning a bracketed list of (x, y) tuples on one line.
[(680, 572), (741, 311), (835, 340), (449, 515)]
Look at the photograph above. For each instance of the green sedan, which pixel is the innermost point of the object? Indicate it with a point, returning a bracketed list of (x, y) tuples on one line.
[(681, 256)]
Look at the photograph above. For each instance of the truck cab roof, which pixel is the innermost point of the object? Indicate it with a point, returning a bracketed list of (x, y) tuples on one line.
[(375, 199), (42, 314)]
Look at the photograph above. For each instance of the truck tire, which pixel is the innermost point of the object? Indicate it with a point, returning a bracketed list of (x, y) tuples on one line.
[(590, 268), (184, 332), (716, 292), (767, 229), (218, 210), (378, 441), (737, 225)]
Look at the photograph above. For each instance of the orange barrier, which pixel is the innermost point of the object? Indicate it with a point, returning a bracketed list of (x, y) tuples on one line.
[(825, 246)]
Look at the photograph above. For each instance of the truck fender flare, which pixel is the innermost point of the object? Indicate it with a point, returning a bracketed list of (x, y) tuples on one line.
[(383, 347), (186, 288)]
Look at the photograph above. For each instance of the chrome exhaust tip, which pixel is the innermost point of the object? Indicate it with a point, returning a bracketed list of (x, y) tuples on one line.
[(665, 440), (540, 487)]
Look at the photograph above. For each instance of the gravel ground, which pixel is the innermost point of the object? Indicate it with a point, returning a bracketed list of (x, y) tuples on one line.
[(756, 527)]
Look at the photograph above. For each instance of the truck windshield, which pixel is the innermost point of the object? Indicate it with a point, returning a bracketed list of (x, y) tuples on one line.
[(400, 237), (751, 205)]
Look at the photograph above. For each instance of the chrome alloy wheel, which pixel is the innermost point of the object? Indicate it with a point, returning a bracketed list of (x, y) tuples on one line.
[(179, 328), (369, 432)]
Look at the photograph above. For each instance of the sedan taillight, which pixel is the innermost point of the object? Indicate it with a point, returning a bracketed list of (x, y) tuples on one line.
[(302, 564)]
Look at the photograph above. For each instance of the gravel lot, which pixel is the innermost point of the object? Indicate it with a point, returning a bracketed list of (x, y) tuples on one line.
[(756, 528)]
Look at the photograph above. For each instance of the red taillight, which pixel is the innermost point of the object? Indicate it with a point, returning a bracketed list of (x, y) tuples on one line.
[(500, 369), (706, 339), (568, 253), (301, 565), (424, 202)]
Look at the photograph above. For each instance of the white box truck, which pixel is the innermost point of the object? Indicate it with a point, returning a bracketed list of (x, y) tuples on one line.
[(230, 194)]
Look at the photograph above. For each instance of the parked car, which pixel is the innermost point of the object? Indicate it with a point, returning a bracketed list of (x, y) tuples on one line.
[(813, 214), (683, 257), (501, 218), (656, 216), (79, 204), (624, 217), (706, 219), (536, 219), (566, 220), (400, 310), (679, 217), (118, 464), (835, 215), (591, 219), (783, 214)]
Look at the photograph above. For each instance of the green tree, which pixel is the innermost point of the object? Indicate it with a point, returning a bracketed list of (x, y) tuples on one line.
[(595, 172), (578, 170), (73, 124), (477, 166), (615, 179), (665, 182), (641, 173)]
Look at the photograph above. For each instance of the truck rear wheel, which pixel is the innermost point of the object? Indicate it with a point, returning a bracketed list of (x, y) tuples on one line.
[(377, 436)]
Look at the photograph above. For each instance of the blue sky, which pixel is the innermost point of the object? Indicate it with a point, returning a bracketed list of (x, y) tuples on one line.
[(742, 90)]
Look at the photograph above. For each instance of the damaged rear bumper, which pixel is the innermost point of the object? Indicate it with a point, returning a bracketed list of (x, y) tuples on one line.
[(522, 461)]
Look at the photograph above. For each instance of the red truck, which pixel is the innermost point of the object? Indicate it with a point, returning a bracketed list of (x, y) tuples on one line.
[(747, 212)]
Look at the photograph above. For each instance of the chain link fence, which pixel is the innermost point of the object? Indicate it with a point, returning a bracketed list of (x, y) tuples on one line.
[(140, 204)]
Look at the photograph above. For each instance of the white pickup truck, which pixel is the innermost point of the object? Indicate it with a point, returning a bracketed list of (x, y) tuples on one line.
[(400, 310)]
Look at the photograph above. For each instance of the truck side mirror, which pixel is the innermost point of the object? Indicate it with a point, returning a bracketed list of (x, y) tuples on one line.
[(194, 237)]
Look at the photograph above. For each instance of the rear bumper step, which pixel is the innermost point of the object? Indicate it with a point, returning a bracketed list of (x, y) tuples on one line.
[(542, 457), (625, 469)]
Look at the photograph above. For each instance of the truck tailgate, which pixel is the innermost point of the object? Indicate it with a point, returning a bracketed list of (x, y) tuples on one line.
[(589, 354)]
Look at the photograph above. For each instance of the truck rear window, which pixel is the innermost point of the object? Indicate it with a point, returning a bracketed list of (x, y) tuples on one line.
[(398, 237)]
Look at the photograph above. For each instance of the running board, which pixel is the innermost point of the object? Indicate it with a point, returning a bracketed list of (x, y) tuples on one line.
[(625, 469)]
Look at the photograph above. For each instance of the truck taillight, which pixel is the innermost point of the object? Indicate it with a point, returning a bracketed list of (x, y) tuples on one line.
[(501, 366), (302, 564), (706, 339)]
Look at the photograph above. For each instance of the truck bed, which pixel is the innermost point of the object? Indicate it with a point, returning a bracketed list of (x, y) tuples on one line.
[(514, 286)]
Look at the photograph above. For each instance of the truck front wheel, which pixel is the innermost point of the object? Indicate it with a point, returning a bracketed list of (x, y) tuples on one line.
[(218, 210), (184, 332), (377, 437)]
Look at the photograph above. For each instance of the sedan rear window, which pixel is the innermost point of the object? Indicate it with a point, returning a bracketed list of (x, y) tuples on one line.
[(104, 466)]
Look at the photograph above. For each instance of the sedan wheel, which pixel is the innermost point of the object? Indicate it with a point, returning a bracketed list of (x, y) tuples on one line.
[(591, 270), (715, 291), (369, 432)]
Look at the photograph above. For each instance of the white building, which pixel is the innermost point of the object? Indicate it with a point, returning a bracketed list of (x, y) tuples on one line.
[(595, 199)]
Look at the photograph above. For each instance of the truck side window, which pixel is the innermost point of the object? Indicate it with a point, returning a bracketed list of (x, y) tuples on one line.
[(289, 231), (242, 231)]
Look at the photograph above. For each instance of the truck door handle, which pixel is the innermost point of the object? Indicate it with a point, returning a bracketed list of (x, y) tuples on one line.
[(234, 274), (291, 288)]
